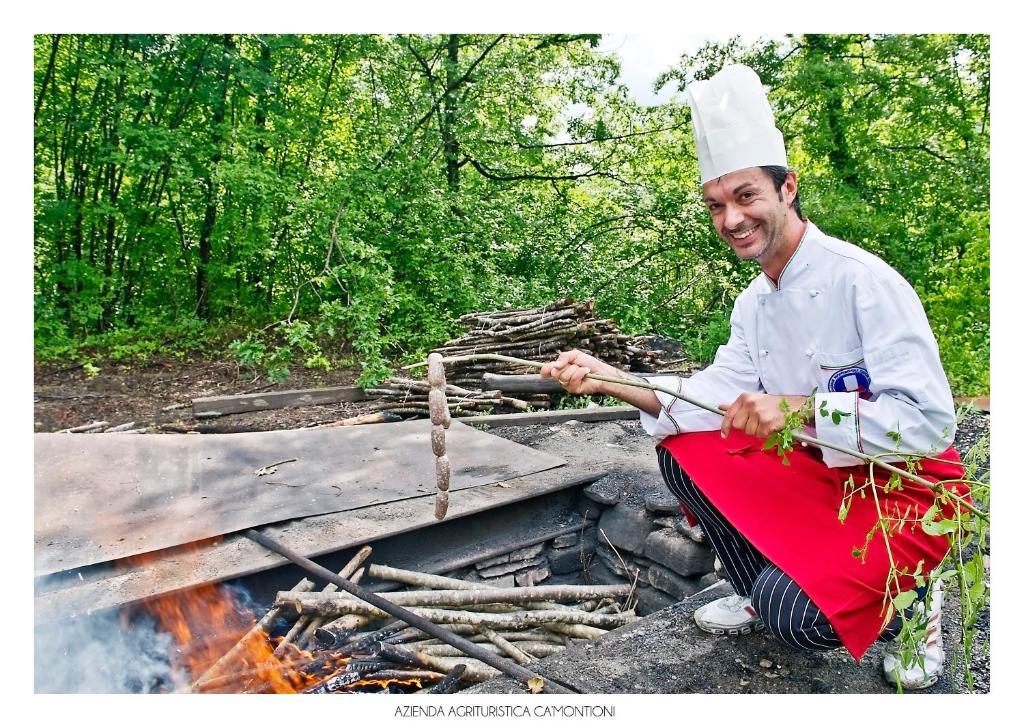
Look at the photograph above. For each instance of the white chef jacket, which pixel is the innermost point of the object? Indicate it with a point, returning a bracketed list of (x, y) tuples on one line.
[(841, 322)]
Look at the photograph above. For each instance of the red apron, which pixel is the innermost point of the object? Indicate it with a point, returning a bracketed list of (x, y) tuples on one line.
[(790, 514)]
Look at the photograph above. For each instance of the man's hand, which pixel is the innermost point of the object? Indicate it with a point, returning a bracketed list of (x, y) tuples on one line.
[(571, 367), (758, 414)]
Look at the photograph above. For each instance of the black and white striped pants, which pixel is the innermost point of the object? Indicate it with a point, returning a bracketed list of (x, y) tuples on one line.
[(786, 610)]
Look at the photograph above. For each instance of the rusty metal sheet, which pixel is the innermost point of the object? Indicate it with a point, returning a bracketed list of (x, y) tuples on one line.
[(105, 497)]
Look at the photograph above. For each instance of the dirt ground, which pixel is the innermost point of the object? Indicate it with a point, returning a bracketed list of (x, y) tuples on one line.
[(144, 394)]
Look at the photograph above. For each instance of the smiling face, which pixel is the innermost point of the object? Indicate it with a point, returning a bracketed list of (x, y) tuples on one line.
[(753, 218)]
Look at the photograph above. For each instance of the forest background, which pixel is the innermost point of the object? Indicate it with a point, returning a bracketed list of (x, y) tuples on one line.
[(339, 200)]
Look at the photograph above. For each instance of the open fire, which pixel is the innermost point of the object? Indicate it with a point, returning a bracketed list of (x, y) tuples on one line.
[(212, 622), (323, 642)]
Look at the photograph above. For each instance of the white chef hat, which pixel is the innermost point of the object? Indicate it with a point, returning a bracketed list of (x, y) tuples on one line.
[(733, 124)]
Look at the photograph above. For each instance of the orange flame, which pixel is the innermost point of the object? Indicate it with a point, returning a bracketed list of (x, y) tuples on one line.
[(205, 623), (208, 621)]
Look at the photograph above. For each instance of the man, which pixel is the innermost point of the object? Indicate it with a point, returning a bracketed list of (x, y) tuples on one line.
[(826, 320)]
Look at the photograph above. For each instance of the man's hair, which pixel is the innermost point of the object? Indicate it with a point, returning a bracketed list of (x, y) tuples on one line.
[(778, 175)]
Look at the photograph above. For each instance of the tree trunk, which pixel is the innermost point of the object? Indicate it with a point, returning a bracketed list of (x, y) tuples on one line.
[(210, 185), (449, 114)]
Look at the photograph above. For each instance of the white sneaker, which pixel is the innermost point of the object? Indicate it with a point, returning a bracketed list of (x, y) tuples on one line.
[(728, 615), (927, 664)]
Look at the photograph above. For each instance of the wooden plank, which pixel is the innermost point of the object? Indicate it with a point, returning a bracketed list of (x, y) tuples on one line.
[(587, 414), (235, 403), (103, 498), (109, 585)]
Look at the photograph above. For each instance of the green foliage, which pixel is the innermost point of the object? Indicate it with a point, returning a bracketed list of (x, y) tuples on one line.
[(369, 189), (702, 342)]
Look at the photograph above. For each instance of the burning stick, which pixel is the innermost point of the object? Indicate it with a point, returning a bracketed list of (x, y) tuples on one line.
[(258, 630), (441, 420), (450, 683)]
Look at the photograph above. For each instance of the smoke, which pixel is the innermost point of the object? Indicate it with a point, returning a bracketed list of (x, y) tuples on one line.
[(110, 652), (97, 654)]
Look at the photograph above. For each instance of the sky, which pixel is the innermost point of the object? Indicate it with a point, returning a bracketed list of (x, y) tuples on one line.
[(646, 55)]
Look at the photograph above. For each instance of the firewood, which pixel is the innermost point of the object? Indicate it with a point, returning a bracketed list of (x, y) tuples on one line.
[(91, 427), (317, 622), (405, 675), (304, 627), (432, 581), (450, 683), (334, 632), (476, 671), (463, 597), (258, 630), (330, 605), (513, 651), (531, 650)]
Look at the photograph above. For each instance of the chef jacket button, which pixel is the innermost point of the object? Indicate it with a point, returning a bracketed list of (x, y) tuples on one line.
[(809, 353), (764, 352), (814, 292)]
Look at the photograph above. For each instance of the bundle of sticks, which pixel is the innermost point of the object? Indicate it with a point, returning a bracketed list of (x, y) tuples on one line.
[(402, 396), (539, 334), (535, 333), (338, 643)]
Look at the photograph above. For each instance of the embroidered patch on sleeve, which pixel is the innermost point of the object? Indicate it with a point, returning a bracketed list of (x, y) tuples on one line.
[(853, 378)]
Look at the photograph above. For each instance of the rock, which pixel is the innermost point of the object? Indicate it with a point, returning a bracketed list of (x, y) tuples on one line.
[(564, 561), (661, 500), (573, 577), (501, 559), (531, 577), (606, 490), (664, 522), (601, 574), (695, 533), (502, 569), (626, 527), (561, 542), (650, 600), (672, 583), (678, 553), (588, 508), (529, 552), (707, 580), (502, 582), (626, 568)]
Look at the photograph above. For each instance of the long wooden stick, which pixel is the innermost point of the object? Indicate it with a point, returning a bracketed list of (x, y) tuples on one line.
[(798, 436), (305, 602), (508, 620), (506, 666), (535, 649), (433, 581)]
